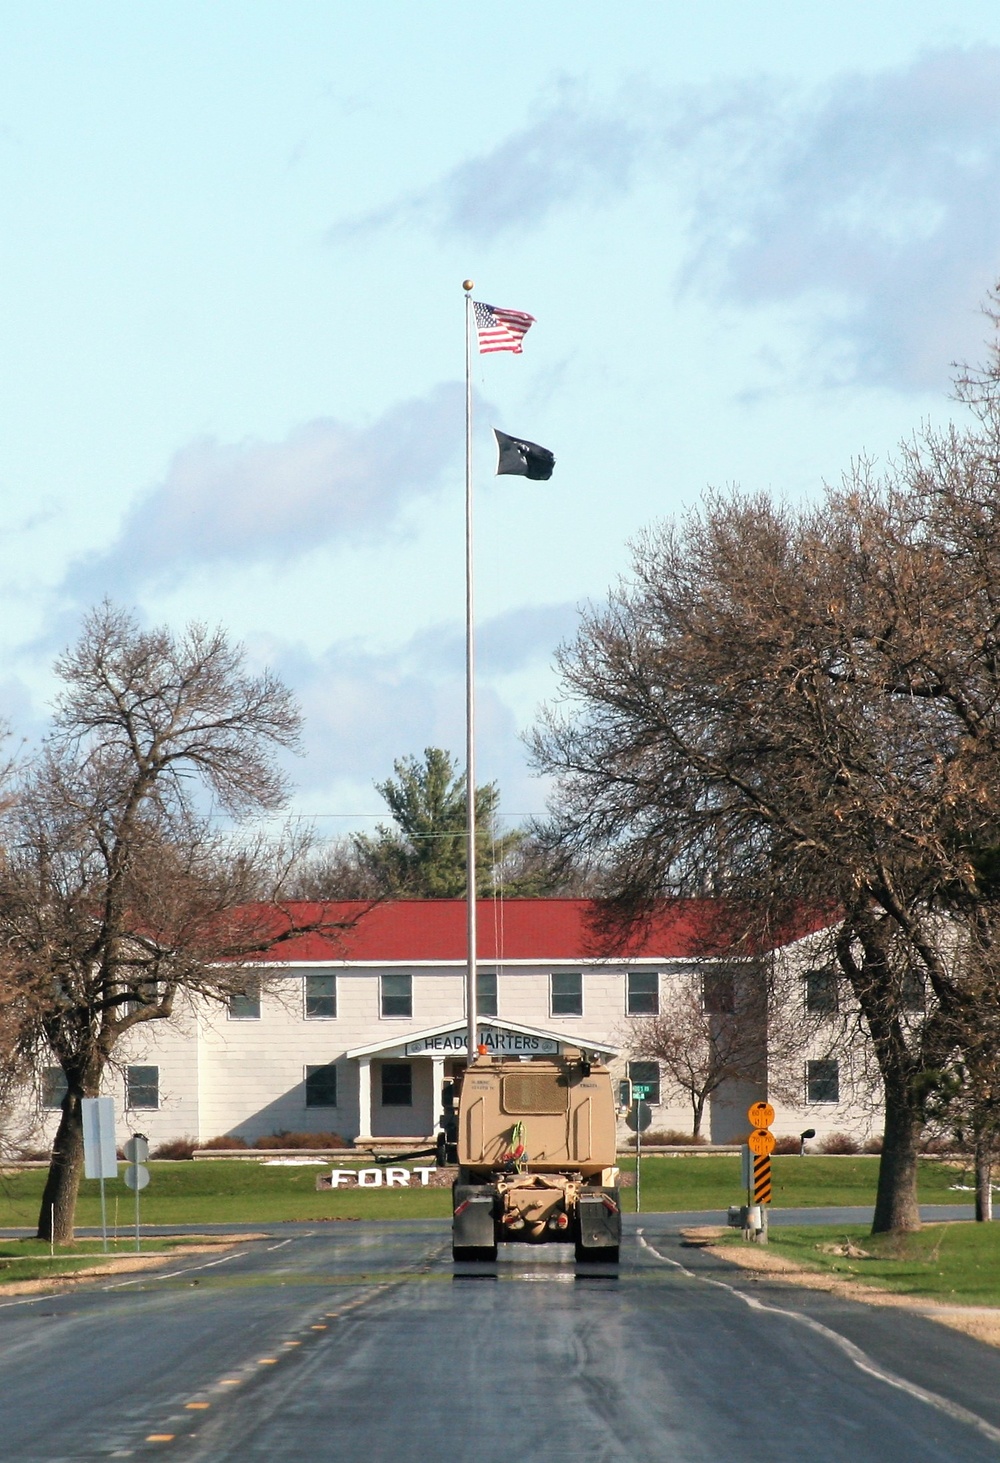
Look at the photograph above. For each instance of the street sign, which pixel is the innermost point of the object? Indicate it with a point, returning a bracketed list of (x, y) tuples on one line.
[(760, 1114), (136, 1149), (761, 1179), (135, 1176), (641, 1090), (639, 1117), (761, 1142), (100, 1160)]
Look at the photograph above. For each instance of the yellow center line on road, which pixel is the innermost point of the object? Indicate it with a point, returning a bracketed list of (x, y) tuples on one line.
[(159, 1438), (196, 1406)]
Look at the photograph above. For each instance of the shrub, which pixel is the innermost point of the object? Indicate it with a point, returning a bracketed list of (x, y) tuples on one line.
[(33, 1155), (225, 1141), (938, 1143), (175, 1148), (787, 1143), (872, 1145), (670, 1137), (301, 1140), (839, 1143)]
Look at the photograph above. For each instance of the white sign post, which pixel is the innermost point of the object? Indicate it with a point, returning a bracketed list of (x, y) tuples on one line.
[(100, 1159)]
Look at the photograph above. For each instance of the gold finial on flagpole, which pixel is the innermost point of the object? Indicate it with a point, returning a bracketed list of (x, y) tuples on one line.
[(467, 284)]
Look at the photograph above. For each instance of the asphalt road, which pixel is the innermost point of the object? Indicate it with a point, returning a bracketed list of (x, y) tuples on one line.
[(362, 1341)]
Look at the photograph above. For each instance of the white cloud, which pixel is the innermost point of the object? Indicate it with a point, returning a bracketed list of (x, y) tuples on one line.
[(365, 709), (870, 208), (271, 501), (874, 205), (570, 152)]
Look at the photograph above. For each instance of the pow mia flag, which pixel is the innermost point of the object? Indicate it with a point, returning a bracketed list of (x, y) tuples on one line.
[(527, 459)]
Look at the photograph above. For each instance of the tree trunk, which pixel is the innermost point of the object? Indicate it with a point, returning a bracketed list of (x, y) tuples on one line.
[(984, 1178), (698, 1105), (896, 1198), (58, 1212)]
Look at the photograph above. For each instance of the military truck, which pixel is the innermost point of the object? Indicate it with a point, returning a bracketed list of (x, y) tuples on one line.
[(535, 1143)]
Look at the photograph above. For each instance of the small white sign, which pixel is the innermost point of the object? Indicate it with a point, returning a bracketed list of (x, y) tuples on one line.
[(100, 1160), (497, 1043)]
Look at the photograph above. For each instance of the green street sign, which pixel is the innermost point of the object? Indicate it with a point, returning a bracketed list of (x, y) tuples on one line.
[(641, 1090)]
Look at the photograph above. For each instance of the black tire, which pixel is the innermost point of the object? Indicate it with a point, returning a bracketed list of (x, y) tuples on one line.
[(478, 1253), (597, 1255)]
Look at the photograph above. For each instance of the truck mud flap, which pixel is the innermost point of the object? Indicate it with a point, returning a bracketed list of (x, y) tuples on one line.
[(600, 1220), (472, 1217)]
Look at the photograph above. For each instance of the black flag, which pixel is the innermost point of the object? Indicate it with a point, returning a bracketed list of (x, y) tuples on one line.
[(514, 455)]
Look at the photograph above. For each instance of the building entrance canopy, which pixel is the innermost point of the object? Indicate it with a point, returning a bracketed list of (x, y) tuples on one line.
[(500, 1038)]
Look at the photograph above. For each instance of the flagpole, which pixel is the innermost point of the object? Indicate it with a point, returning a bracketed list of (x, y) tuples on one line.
[(472, 1013)]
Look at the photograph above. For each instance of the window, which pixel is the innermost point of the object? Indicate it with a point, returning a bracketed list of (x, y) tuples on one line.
[(911, 991), (397, 995), (142, 1087), (486, 992), (649, 1073), (397, 1084), (53, 1086), (321, 999), (321, 1086), (718, 993), (821, 991), (823, 1081), (245, 1005), (566, 993), (643, 993)]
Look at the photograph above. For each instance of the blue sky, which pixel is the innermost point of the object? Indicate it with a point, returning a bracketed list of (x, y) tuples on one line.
[(754, 237)]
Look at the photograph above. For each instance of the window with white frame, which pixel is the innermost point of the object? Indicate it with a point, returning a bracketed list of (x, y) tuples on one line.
[(244, 1004), (54, 1086), (822, 993), (321, 1086), (397, 995), (642, 996), (397, 1084), (142, 1087), (718, 992), (486, 992), (823, 1080), (321, 995), (566, 993)]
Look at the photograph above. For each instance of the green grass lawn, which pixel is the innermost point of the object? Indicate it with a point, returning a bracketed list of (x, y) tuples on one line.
[(957, 1263), (241, 1192), (714, 1183)]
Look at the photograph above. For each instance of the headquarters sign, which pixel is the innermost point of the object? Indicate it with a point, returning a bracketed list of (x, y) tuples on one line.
[(497, 1043)]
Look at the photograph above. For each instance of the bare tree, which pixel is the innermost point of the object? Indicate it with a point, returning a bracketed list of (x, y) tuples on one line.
[(803, 709), (709, 1031), (117, 894)]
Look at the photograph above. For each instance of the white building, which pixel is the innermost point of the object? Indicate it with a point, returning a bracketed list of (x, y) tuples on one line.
[(356, 1034)]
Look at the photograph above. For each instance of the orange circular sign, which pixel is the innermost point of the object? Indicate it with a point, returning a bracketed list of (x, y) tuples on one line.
[(761, 1142), (761, 1114)]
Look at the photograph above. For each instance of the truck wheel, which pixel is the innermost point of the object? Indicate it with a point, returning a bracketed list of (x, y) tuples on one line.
[(597, 1255), (480, 1253)]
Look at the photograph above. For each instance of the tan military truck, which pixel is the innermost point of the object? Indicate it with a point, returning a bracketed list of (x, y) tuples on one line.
[(535, 1143)]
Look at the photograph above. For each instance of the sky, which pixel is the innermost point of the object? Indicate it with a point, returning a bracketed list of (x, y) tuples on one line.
[(754, 236)]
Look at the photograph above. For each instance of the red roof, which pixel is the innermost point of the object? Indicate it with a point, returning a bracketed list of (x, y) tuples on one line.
[(515, 929)]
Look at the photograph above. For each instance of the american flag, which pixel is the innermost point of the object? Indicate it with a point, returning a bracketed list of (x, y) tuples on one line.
[(500, 330)]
